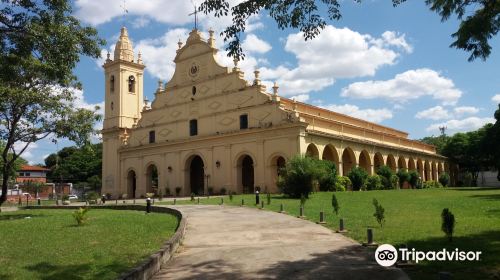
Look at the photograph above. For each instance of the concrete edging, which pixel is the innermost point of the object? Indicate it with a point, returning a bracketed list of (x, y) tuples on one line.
[(153, 263)]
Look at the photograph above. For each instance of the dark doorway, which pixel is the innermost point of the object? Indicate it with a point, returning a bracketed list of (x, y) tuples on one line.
[(247, 178), (196, 175), (131, 184)]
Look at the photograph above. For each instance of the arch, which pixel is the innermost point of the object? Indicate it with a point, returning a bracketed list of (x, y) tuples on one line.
[(427, 171), (402, 163), (312, 151), (411, 164), (131, 183), (246, 173), (195, 174), (440, 168), (378, 161), (364, 162), (151, 178), (330, 154), (277, 163), (434, 171), (420, 168), (391, 162), (348, 160)]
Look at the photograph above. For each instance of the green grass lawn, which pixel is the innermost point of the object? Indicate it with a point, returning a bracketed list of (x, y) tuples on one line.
[(47, 244), (413, 217)]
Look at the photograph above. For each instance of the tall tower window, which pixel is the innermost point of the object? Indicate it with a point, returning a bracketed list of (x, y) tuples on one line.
[(152, 136), (131, 84), (193, 127), (112, 83), (244, 121)]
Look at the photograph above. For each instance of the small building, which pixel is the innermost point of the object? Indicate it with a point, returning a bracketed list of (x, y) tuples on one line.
[(32, 173)]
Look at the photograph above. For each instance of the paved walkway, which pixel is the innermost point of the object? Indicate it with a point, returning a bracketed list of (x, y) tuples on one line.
[(225, 242)]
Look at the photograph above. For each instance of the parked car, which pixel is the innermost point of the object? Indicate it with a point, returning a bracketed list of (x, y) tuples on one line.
[(72, 196)]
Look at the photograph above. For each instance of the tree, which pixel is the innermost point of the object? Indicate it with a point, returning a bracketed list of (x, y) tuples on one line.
[(414, 178), (473, 34), (386, 173), (403, 176), (358, 177), (379, 212), (444, 179), (298, 175), (491, 139), (40, 45), (335, 204), (447, 223), (16, 166)]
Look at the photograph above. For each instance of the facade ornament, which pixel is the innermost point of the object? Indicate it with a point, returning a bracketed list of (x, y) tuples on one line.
[(275, 92), (139, 58), (211, 39), (294, 107), (257, 78), (160, 86), (235, 61)]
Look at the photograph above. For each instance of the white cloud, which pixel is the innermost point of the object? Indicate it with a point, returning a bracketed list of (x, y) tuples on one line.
[(334, 53), (434, 113), (461, 125), (496, 98), (140, 22), (465, 110), (252, 43), (391, 38), (300, 97), (406, 86), (372, 115)]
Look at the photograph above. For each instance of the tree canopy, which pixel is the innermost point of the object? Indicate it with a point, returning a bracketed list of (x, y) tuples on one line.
[(479, 19), (40, 44)]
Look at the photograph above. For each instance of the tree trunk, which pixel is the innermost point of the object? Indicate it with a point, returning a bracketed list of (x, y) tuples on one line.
[(5, 179)]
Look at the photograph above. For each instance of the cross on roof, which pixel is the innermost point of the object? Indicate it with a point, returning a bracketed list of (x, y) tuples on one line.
[(195, 13)]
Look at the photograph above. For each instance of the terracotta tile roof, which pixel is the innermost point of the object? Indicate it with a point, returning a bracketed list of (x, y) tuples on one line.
[(33, 168)]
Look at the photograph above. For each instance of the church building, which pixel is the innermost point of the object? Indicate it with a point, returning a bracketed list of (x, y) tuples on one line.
[(210, 129)]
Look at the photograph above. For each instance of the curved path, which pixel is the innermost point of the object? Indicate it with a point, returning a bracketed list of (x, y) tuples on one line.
[(224, 242)]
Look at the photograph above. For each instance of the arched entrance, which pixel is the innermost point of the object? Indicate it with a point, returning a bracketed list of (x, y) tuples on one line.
[(391, 162), (378, 161), (402, 163), (312, 151), (246, 174), (278, 163), (411, 164), (151, 179), (330, 154), (131, 184), (364, 162), (197, 175), (420, 169), (348, 160), (427, 171)]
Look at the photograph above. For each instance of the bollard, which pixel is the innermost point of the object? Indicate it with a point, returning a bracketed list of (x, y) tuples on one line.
[(39, 202), (262, 205), (321, 218), (301, 212), (341, 226), (221, 201), (242, 202), (282, 208), (148, 205), (198, 200), (257, 198), (175, 200), (369, 237)]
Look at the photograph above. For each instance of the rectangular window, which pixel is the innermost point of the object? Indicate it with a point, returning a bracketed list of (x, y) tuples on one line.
[(152, 136), (21, 174), (27, 174), (193, 127), (244, 121)]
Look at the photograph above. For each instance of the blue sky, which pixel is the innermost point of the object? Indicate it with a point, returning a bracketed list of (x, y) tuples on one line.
[(389, 65)]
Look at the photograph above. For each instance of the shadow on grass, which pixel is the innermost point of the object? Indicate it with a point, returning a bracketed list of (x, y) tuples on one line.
[(46, 271), (474, 188), (350, 262), (488, 267), (18, 217), (487, 196)]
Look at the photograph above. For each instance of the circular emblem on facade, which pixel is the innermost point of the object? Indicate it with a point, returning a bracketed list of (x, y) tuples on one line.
[(194, 70)]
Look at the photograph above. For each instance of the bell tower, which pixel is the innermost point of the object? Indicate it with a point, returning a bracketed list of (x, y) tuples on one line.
[(124, 85)]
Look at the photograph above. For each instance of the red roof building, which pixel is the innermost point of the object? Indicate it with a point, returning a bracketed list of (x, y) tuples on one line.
[(32, 173)]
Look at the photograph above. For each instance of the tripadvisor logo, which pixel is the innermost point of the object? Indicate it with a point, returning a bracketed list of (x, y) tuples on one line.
[(387, 255)]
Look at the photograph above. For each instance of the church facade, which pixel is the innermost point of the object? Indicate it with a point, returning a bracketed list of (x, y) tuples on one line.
[(208, 129)]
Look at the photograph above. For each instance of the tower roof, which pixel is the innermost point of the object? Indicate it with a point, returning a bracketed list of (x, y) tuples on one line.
[(123, 48)]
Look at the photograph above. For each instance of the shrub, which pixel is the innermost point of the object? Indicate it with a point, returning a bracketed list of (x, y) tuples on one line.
[(385, 172), (448, 223), (192, 196), (374, 182), (80, 215), (327, 175), (431, 185), (297, 177), (223, 191), (335, 204), (444, 179), (178, 191), (342, 184), (403, 177), (167, 191), (413, 178), (358, 177), (65, 197), (394, 182), (268, 196), (210, 190), (230, 196), (379, 212), (92, 196)]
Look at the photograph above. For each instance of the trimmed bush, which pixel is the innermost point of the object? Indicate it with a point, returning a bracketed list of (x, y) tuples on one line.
[(343, 183), (327, 175), (447, 223), (431, 185), (374, 182), (444, 179), (386, 173), (223, 191), (394, 181), (413, 178), (335, 204), (178, 191), (297, 177), (403, 177), (358, 176)]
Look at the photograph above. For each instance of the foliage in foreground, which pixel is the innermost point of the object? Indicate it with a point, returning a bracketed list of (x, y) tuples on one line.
[(80, 215), (379, 212), (448, 223)]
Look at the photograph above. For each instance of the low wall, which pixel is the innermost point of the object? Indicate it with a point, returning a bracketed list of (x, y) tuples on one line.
[(153, 263)]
